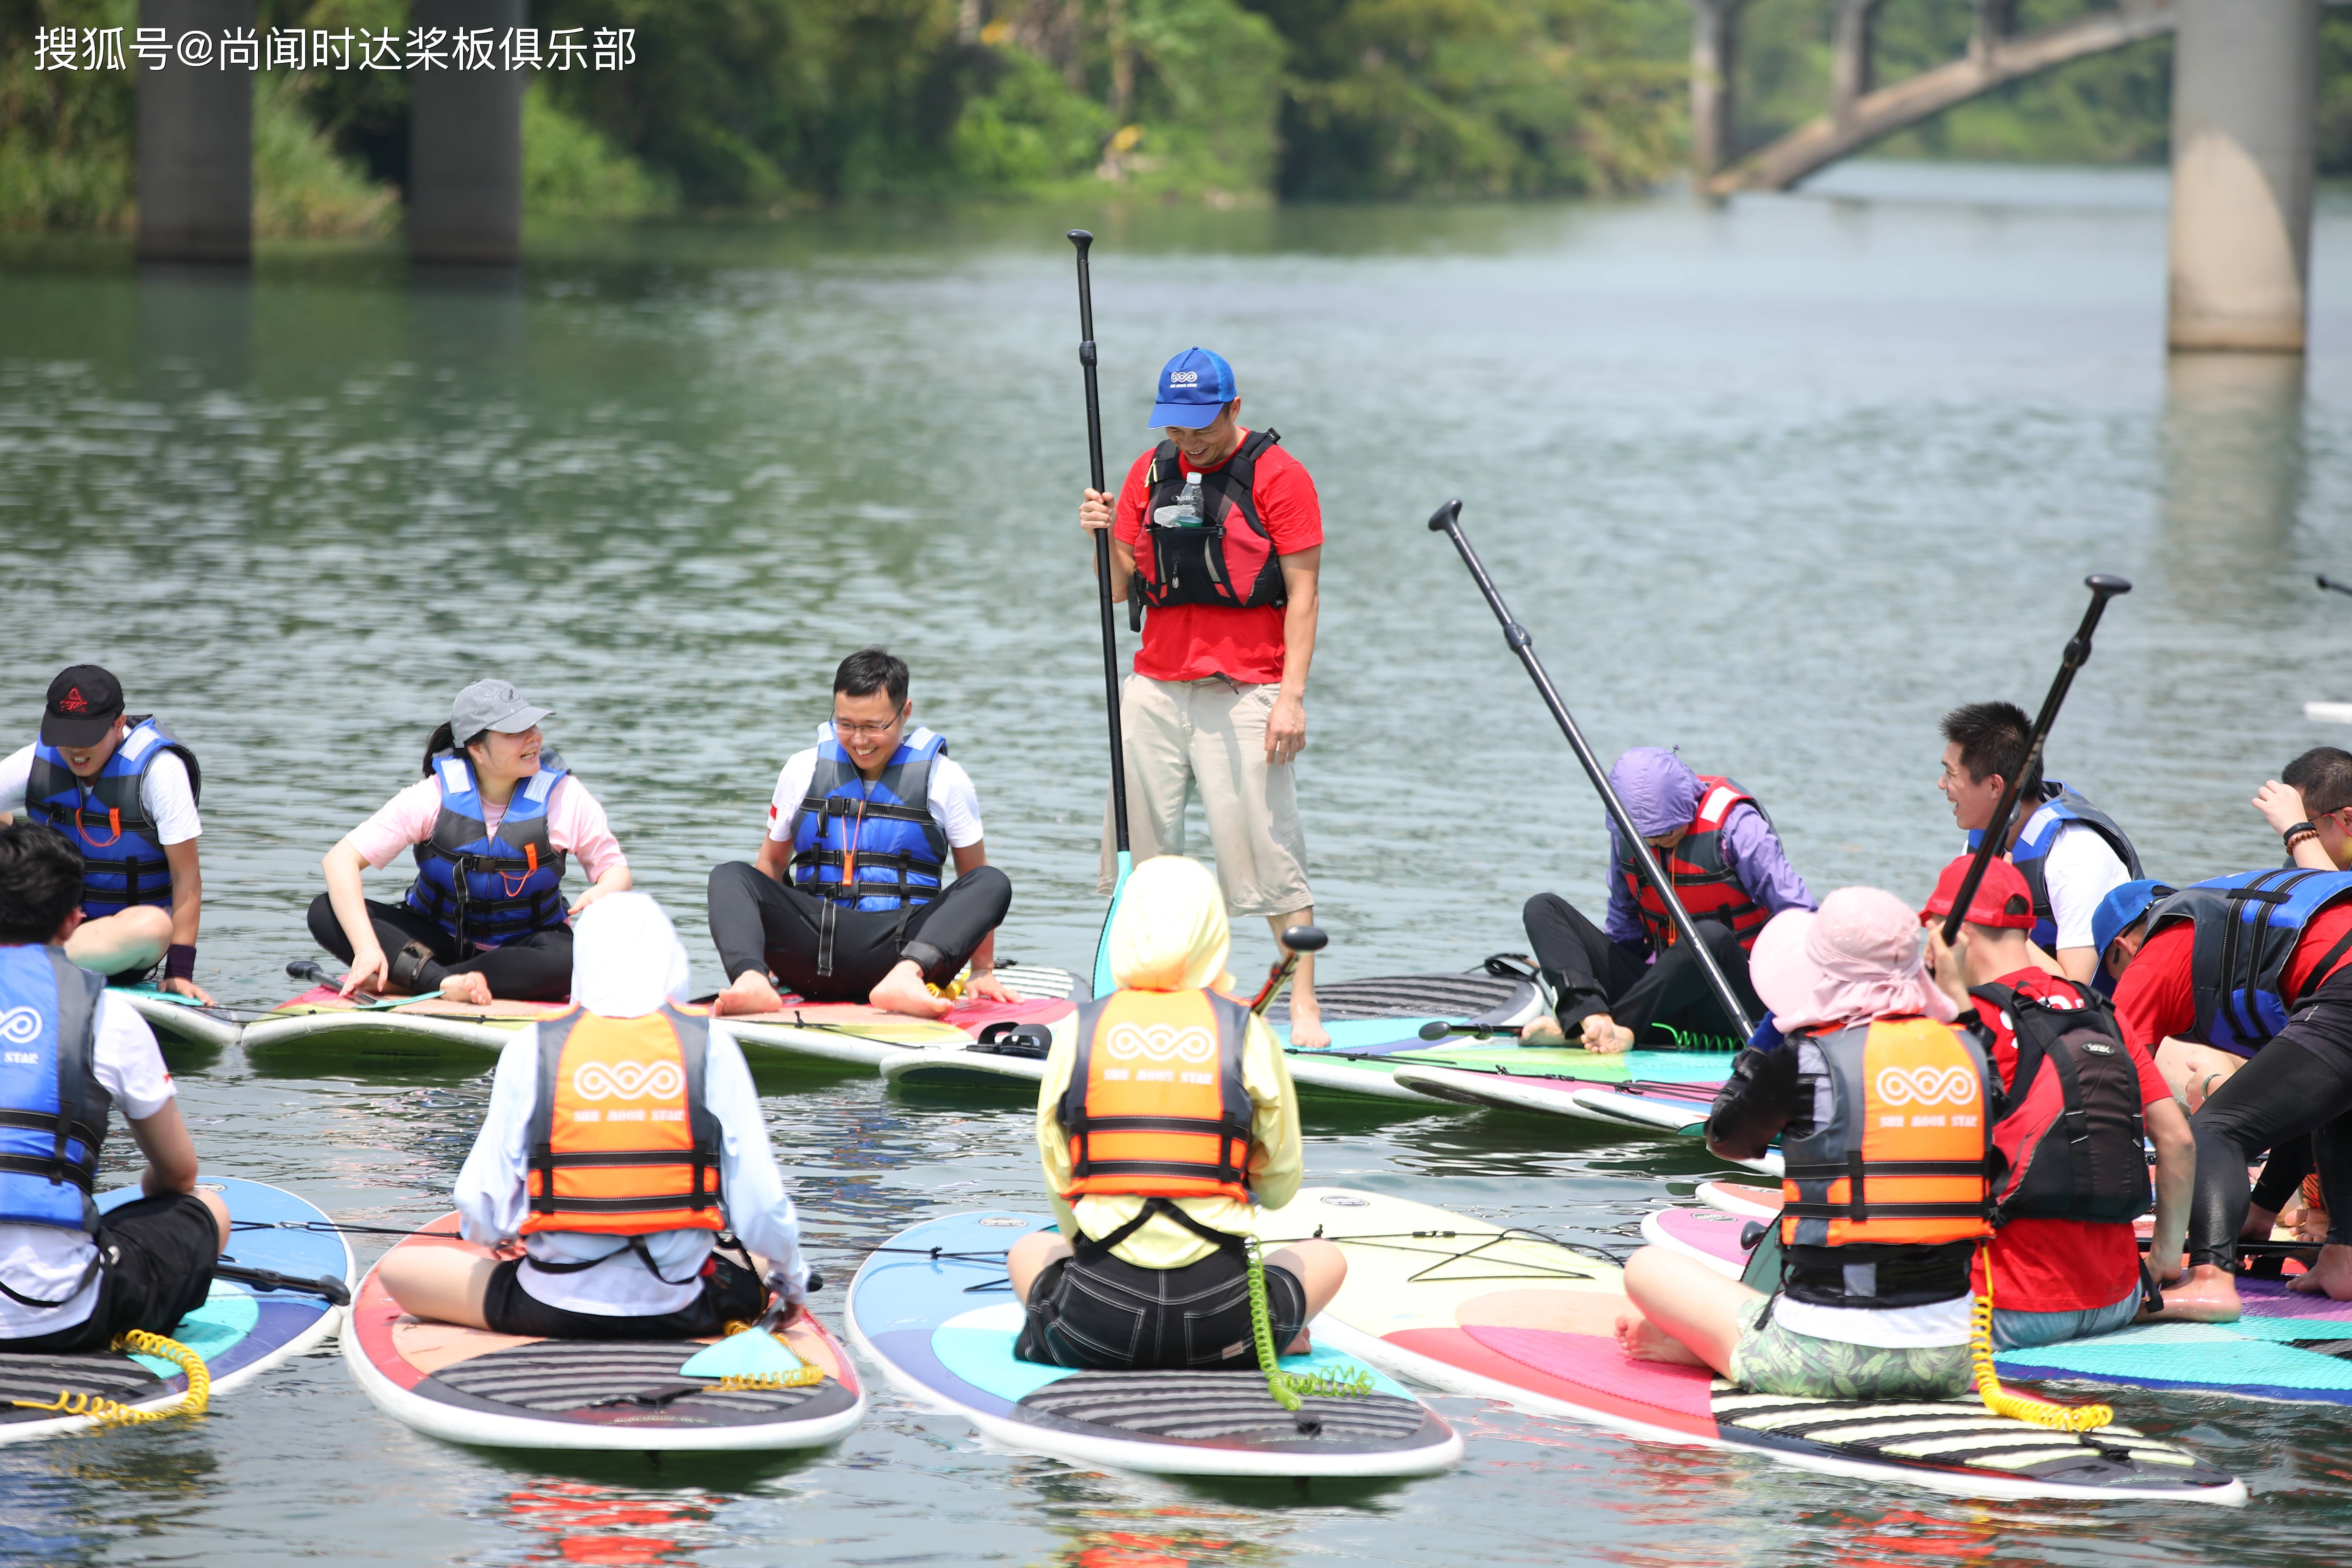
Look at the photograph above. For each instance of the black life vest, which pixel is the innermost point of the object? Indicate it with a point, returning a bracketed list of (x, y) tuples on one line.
[(2248, 925), (1228, 559), (1701, 872), (2069, 1128)]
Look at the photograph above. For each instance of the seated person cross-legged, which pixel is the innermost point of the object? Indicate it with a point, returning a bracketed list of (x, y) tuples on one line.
[(491, 825), (1875, 1308), (1149, 1268), (70, 1279), (591, 1241), (848, 899)]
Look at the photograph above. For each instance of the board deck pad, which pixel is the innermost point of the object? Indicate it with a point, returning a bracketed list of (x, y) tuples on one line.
[(240, 1330), (944, 1328), (470, 1386), (1476, 1308)]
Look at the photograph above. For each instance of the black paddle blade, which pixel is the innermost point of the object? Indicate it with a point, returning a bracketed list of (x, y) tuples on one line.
[(1445, 517), (1305, 939)]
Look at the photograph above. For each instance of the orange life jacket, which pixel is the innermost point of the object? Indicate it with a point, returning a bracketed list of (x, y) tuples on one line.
[(1901, 1131), (1156, 1105), (621, 1142)]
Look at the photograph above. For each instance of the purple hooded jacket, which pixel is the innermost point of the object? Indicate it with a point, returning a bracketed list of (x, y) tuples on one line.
[(1660, 794)]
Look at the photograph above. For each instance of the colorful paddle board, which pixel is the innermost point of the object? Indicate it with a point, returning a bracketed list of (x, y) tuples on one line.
[(241, 1331), (1676, 1109), (1473, 1307), (1742, 1198), (933, 1308), (505, 1391), (178, 1017)]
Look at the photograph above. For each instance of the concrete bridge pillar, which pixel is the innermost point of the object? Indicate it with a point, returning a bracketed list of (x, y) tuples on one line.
[(195, 143), (1851, 37), (2245, 90), (1714, 55), (465, 147)]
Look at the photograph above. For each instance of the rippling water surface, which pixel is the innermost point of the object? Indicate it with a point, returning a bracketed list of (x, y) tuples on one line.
[(1778, 482)]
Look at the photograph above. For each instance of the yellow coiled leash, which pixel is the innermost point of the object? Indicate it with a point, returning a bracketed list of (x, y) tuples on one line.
[(1288, 1387), (108, 1413), (2021, 1406)]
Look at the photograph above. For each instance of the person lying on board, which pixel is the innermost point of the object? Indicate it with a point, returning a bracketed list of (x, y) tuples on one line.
[(123, 791), (1148, 1268), (1611, 981), (1869, 1308), (491, 825), (848, 899), (2065, 1261), (71, 1279), (2070, 852), (591, 1239)]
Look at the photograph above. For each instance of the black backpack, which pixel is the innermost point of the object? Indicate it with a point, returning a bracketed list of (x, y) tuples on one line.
[(2069, 1129)]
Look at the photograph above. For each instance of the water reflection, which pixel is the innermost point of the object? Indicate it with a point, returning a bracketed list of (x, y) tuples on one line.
[(2234, 472)]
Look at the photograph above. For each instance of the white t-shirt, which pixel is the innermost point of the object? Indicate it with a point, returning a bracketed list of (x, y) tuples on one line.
[(165, 792), (45, 1261), (955, 805), (2081, 870)]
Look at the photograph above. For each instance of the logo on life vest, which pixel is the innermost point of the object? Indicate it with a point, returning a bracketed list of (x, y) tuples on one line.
[(1926, 1086), (20, 1025), (1161, 1043), (628, 1080), (73, 701)]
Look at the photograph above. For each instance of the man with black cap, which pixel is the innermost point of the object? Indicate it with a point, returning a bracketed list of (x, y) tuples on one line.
[(1220, 533), (122, 790)]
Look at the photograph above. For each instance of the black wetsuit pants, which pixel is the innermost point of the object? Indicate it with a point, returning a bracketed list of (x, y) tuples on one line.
[(2300, 1083), (1590, 974), (827, 953), (537, 968)]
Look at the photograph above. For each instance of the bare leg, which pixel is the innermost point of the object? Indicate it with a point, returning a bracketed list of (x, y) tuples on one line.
[(1029, 1257), (1307, 1031), (1321, 1268), (903, 991), (444, 1284), (127, 939), (219, 1207), (1688, 1314)]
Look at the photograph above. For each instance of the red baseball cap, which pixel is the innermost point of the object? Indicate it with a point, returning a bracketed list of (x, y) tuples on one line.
[(2002, 897)]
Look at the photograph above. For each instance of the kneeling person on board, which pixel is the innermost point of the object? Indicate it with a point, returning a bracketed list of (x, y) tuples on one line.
[(2070, 852), (1869, 1308), (848, 900), (621, 1137), (490, 825), (1155, 1172), (70, 1277), (2064, 1260), (123, 792), (1718, 847)]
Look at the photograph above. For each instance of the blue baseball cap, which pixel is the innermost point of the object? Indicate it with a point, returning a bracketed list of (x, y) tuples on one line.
[(2119, 909), (1194, 388)]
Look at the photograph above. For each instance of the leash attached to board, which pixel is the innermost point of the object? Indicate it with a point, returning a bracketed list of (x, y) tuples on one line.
[(1447, 520)]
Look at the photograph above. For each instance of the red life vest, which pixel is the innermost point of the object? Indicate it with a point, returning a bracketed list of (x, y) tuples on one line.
[(1156, 1105), (1228, 559), (1700, 872)]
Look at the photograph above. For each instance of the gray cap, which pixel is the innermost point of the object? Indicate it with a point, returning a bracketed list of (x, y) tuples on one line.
[(491, 705)]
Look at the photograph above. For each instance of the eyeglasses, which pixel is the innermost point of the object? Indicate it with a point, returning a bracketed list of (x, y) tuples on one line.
[(842, 726)]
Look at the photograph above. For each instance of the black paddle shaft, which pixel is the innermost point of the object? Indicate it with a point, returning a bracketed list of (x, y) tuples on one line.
[(1085, 241), (1994, 840), (1447, 520), (2327, 581)]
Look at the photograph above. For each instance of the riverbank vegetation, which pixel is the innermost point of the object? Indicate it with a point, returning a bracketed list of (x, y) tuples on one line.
[(770, 105)]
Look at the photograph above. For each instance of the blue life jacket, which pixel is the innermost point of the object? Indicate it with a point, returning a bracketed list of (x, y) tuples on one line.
[(490, 889), (879, 839), (2248, 925), (53, 1110), (2044, 820), (122, 863)]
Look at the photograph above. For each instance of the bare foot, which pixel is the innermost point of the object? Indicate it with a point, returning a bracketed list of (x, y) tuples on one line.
[(2207, 1296), (1604, 1036), (468, 988), (902, 991), (749, 993), (1303, 1345), (2332, 1275), (1643, 1339), (1544, 1031), (1307, 1031)]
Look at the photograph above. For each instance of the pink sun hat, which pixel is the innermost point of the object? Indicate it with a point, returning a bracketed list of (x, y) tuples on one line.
[(1858, 957)]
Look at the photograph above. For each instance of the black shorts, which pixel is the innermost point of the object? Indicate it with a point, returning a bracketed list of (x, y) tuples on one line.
[(731, 1293), (1109, 1314), (156, 1257)]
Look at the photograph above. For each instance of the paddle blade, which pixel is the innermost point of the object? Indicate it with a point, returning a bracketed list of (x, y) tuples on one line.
[(754, 1352), (1104, 984)]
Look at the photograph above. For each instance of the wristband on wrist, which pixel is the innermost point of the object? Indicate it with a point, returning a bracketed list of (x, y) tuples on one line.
[(2297, 830), (179, 961)]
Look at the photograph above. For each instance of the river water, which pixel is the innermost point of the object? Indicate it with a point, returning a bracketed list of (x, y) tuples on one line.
[(1778, 482)]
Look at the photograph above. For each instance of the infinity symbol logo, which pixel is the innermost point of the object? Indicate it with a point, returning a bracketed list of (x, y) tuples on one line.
[(1926, 1086), (628, 1080), (20, 1025), (1161, 1043)]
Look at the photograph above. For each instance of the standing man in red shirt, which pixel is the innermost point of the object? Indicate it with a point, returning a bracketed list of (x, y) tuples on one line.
[(1219, 533)]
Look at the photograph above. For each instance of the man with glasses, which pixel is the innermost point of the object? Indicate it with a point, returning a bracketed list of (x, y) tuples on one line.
[(848, 899)]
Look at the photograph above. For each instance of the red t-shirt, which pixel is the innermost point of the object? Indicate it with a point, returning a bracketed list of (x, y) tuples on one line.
[(1192, 642), (2157, 997), (2058, 1265)]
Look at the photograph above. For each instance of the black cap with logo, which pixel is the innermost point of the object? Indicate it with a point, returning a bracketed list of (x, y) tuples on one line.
[(84, 703)]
